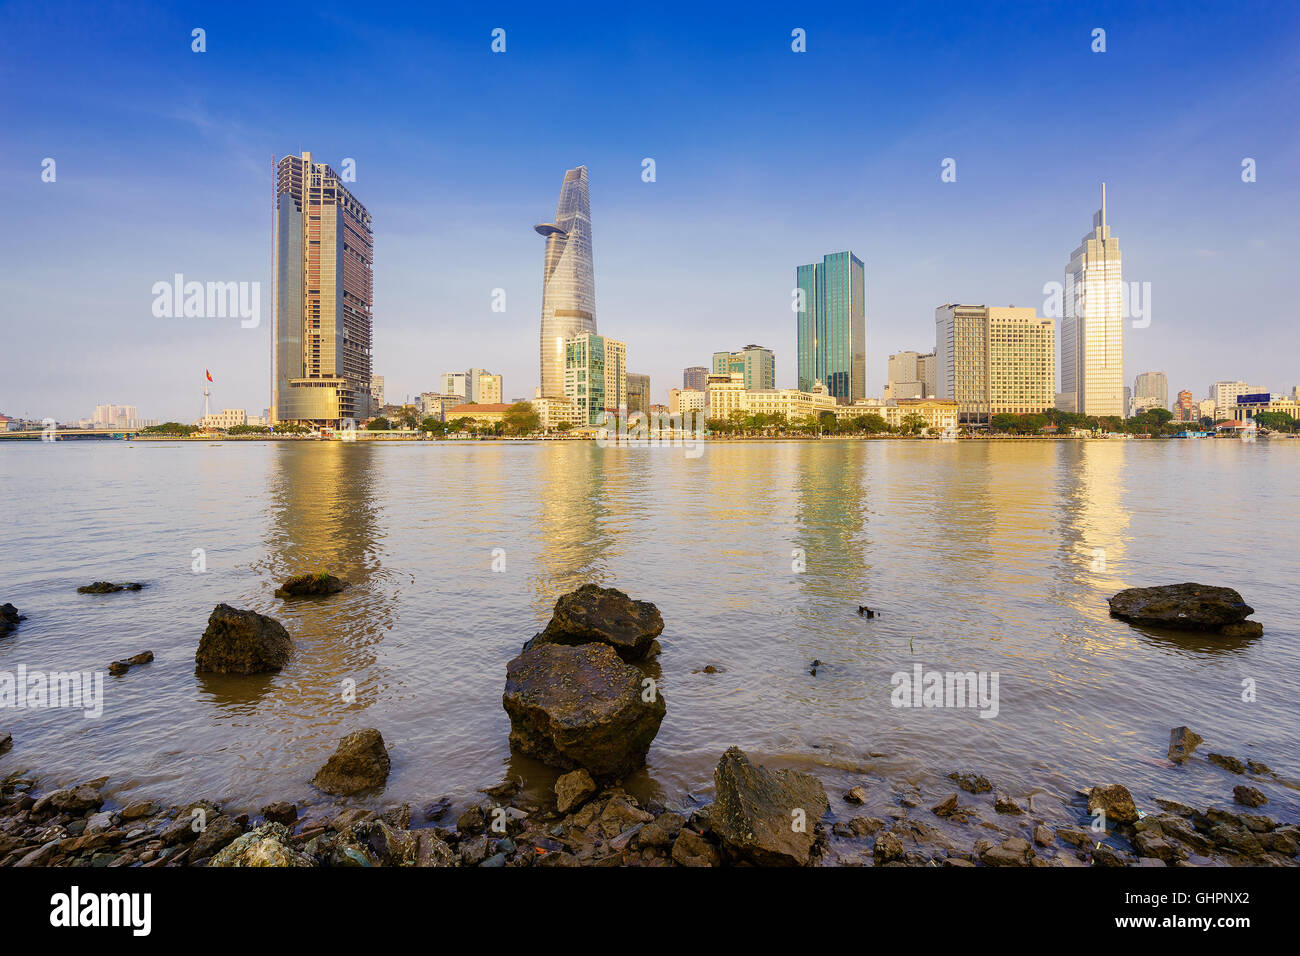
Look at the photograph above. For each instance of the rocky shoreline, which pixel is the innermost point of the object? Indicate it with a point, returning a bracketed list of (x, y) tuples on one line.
[(580, 701)]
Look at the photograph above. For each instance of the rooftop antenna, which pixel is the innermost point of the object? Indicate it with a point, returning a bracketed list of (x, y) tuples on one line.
[(1103, 205)]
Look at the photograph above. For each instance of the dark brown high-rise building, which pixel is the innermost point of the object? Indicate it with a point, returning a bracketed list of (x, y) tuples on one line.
[(324, 289)]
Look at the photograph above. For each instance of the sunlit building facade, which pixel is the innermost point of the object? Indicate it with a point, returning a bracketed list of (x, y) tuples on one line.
[(831, 318), (568, 280), (992, 360), (595, 376), (1092, 327), (324, 293), (755, 363)]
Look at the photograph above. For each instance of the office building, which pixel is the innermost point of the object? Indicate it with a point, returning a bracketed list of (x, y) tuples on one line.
[(993, 360), (1150, 390), (832, 326), (568, 280), (324, 294), (595, 376), (755, 363), (638, 393), (1092, 328), (911, 375), (695, 377)]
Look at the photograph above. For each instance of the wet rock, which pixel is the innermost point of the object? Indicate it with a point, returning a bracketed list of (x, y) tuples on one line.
[(572, 789), (473, 820), (1182, 741), (620, 813), (118, 668), (99, 822), (281, 812), (1243, 629), (108, 587), (1004, 804), (1154, 843), (946, 807), (73, 800), (242, 642), (267, 845), (218, 834), (971, 782), (1183, 607), (1043, 835), (475, 851), (594, 614), (691, 849), (1256, 767), (138, 809), (887, 849), (6, 741), (360, 763), (1248, 796), (310, 585), (766, 817), (1115, 801), (581, 706), (1231, 764), (865, 826), (1013, 851), (9, 618), (662, 830), (431, 850), (399, 818), (856, 795), (437, 810)]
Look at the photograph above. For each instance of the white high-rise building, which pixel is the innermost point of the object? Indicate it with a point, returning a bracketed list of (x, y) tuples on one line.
[(1225, 398), (1092, 327)]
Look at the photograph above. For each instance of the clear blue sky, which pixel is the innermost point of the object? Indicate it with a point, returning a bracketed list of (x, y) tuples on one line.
[(765, 159)]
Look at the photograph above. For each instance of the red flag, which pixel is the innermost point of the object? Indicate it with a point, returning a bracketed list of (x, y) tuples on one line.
[(208, 374)]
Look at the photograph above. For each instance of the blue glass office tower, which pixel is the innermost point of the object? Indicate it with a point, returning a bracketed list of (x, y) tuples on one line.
[(832, 326)]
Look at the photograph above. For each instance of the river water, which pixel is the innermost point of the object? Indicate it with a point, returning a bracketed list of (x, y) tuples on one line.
[(980, 556)]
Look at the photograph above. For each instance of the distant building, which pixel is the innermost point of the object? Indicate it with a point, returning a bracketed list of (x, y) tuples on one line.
[(1249, 405), (1186, 408), (595, 375), (687, 399), (115, 416), (1150, 390), (940, 414), (377, 391), (554, 411), (638, 393), (755, 363), (1225, 398), (832, 326), (994, 361), (226, 418), (695, 377), (727, 394), (568, 281), (911, 375), (437, 404), (487, 414), (487, 389)]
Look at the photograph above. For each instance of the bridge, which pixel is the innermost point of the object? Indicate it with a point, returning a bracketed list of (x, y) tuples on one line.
[(63, 434)]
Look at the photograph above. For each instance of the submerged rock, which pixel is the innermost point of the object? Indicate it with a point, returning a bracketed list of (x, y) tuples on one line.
[(108, 587), (118, 668), (360, 763), (571, 789), (1187, 607), (242, 642), (321, 584), (970, 781), (281, 811), (1182, 741), (6, 741), (1230, 764), (599, 615), (1248, 796), (767, 817), (9, 618), (581, 706)]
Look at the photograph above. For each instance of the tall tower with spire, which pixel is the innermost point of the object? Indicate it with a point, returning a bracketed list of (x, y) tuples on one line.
[(1092, 326), (568, 280)]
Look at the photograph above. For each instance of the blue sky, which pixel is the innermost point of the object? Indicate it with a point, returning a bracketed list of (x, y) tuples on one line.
[(765, 159)]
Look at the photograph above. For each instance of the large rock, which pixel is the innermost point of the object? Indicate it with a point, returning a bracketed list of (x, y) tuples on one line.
[(310, 585), (9, 618), (581, 706), (108, 587), (596, 615), (361, 763), (1115, 801), (1182, 741), (242, 642), (1186, 607), (268, 845), (754, 811)]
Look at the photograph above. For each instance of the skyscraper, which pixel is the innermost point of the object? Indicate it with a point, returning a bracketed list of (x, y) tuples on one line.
[(324, 288), (595, 376), (832, 324), (1151, 390), (568, 280), (638, 393), (695, 377), (1092, 327)]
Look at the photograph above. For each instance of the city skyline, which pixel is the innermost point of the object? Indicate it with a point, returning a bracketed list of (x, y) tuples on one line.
[(1215, 249)]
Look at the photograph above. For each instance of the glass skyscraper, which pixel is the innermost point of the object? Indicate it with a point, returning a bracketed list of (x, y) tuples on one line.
[(832, 326), (568, 280)]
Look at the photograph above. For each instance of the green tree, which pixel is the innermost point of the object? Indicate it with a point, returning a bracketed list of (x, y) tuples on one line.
[(912, 424), (378, 425), (521, 419)]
